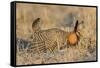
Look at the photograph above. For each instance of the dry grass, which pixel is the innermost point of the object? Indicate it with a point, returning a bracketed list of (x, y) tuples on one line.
[(57, 17)]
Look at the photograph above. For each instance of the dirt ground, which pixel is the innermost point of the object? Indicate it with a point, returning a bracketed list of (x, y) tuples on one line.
[(61, 17)]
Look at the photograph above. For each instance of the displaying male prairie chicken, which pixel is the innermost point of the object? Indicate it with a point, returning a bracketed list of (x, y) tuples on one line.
[(52, 39)]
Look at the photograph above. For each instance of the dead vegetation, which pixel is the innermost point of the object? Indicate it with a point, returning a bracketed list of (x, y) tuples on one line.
[(61, 17)]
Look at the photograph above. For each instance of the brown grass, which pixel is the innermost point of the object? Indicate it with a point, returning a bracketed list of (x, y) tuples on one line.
[(51, 17)]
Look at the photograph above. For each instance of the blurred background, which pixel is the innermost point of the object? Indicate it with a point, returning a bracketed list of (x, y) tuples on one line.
[(61, 17)]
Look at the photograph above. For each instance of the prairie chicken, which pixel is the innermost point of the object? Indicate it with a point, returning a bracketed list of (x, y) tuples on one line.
[(48, 40), (51, 39)]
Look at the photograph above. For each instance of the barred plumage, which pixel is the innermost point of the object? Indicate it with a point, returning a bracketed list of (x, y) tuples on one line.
[(51, 39)]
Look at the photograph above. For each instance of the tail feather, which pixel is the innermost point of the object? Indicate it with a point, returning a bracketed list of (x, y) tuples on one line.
[(35, 24)]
